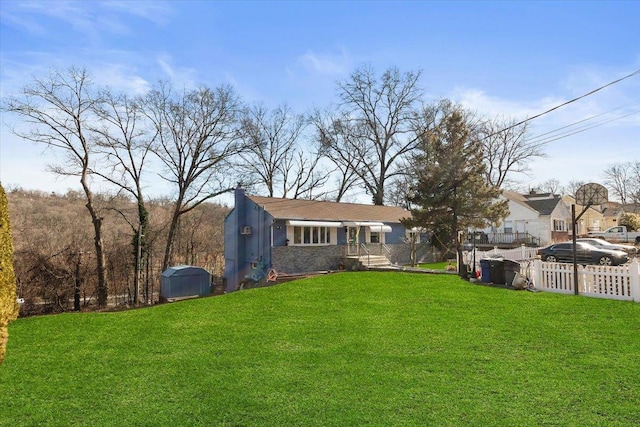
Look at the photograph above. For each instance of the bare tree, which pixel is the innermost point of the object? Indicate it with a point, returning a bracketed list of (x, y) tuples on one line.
[(506, 149), (126, 142), (573, 186), (634, 178), (399, 191), (274, 159), (197, 137), (551, 186), (618, 178), (329, 128), (431, 119), (374, 126), (56, 111), (305, 176)]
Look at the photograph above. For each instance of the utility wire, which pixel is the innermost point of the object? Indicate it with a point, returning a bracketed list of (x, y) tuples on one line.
[(575, 123), (564, 103), (572, 129), (552, 138)]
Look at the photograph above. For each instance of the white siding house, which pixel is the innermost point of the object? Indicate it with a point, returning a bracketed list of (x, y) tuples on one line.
[(534, 219)]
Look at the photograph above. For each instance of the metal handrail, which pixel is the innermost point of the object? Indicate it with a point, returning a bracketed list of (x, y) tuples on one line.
[(386, 250), (366, 250)]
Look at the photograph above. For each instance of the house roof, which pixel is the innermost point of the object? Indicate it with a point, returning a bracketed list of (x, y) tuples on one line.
[(544, 204), (632, 208), (328, 211), (515, 197)]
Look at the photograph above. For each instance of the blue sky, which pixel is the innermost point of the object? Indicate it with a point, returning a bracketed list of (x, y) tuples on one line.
[(511, 59)]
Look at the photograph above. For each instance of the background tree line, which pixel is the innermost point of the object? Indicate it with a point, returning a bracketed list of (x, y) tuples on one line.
[(381, 137), (54, 257), (621, 179)]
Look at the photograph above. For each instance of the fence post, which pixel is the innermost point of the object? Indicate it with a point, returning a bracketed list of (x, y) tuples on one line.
[(582, 280), (634, 279), (522, 252), (537, 273)]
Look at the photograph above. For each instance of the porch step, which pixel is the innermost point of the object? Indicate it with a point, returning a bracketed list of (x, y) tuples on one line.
[(374, 261)]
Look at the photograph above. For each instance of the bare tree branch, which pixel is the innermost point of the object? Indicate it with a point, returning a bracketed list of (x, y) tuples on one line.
[(57, 111), (618, 178), (506, 152), (373, 127), (197, 138)]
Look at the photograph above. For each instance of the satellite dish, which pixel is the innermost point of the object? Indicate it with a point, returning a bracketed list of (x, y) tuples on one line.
[(591, 194)]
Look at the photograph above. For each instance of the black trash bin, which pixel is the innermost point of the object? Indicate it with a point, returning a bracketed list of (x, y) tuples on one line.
[(510, 270), (485, 270), (497, 271)]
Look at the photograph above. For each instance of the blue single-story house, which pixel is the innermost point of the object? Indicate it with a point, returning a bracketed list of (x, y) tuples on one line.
[(298, 236)]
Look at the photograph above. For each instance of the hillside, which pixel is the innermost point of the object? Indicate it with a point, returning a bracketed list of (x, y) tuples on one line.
[(53, 238)]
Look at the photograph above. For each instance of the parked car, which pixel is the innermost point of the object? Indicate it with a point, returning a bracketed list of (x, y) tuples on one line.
[(603, 244), (585, 254)]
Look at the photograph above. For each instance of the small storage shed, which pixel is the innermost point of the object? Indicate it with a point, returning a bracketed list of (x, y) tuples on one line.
[(184, 281)]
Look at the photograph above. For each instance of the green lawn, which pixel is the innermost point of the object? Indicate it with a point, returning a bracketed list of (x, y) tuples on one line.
[(366, 348)]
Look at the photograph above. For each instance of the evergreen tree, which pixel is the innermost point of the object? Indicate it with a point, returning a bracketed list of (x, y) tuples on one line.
[(450, 192), (8, 302)]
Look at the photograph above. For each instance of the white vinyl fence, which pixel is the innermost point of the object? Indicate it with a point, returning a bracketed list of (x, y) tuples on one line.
[(619, 282)]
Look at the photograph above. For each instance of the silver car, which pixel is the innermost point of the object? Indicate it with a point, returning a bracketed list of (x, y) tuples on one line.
[(603, 244)]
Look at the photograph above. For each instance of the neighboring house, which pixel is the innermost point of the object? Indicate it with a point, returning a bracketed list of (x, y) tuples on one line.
[(613, 211), (298, 236), (534, 219), (592, 219), (600, 217)]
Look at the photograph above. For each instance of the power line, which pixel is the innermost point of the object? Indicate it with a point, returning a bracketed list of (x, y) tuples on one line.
[(575, 123), (552, 138), (563, 104)]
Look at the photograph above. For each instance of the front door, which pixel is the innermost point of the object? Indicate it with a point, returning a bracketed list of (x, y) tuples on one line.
[(353, 235)]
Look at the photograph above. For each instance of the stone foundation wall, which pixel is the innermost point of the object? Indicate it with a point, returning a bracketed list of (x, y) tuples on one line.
[(302, 259)]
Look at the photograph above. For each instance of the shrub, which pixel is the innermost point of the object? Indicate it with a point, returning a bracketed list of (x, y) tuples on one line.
[(631, 221), (8, 302)]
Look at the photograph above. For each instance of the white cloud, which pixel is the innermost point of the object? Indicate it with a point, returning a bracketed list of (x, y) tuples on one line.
[(325, 64), (19, 21), (121, 77), (157, 12), (487, 105), (575, 150), (89, 18), (616, 104), (179, 75)]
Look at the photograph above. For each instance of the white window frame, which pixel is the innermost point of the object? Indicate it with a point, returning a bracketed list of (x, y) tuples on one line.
[(559, 225), (311, 235)]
